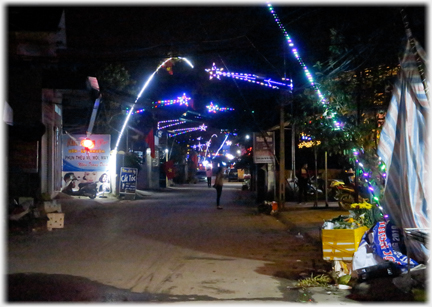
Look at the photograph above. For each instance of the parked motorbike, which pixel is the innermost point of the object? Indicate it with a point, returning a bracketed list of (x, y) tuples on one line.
[(335, 189), (315, 185), (88, 189), (347, 196), (310, 187)]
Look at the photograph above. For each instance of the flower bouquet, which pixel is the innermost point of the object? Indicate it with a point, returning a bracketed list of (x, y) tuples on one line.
[(360, 214)]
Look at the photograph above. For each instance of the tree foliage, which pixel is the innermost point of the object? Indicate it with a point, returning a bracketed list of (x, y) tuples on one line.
[(356, 99), (117, 89)]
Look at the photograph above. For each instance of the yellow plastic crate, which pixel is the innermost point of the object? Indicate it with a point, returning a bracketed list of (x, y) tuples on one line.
[(341, 244), (56, 220)]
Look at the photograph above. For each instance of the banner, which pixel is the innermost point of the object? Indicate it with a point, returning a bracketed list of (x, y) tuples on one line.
[(76, 158), (86, 166), (150, 143), (169, 169), (386, 241)]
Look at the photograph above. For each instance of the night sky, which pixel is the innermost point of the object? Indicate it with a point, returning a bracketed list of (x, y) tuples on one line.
[(239, 38)]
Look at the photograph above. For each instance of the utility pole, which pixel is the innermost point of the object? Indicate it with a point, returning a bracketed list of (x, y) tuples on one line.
[(282, 157), (282, 150), (292, 143)]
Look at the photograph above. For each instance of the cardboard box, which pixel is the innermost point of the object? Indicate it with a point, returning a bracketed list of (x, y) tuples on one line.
[(341, 244), (56, 220)]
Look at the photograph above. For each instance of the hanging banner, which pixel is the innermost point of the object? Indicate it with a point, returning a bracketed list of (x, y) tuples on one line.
[(263, 148), (86, 165)]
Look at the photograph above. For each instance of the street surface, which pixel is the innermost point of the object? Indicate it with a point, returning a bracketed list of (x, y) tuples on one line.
[(171, 246)]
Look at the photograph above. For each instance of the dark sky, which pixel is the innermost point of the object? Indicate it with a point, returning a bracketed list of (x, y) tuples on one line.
[(240, 38)]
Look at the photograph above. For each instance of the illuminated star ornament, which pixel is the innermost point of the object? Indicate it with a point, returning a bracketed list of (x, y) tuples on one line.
[(211, 108), (182, 101), (198, 146), (267, 82), (187, 130)]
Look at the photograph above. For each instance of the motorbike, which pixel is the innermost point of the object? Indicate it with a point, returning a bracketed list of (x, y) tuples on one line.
[(88, 189), (311, 188), (347, 196), (335, 189)]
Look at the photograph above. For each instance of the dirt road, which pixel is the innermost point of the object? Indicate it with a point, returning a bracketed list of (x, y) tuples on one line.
[(171, 246)]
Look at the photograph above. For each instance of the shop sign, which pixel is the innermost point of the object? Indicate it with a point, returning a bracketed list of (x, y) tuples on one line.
[(263, 147), (77, 158), (128, 180), (86, 166)]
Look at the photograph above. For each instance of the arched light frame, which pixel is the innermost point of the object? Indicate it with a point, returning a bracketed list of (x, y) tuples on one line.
[(141, 92)]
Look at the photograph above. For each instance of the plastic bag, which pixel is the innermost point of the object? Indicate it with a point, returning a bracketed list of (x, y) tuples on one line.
[(364, 256)]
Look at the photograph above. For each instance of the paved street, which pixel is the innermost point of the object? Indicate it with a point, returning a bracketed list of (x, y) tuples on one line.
[(169, 246)]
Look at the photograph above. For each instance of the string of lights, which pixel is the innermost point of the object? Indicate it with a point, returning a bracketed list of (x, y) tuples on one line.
[(296, 54), (182, 101), (136, 112), (328, 113), (215, 72), (187, 130), (169, 123), (307, 141)]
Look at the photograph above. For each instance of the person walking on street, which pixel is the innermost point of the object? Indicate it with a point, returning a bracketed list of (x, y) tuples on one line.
[(302, 182), (218, 186), (209, 172)]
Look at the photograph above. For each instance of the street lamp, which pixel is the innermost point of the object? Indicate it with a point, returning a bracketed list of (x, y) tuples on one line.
[(166, 175)]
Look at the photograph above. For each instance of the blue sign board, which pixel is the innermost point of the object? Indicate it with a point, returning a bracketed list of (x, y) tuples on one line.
[(128, 180)]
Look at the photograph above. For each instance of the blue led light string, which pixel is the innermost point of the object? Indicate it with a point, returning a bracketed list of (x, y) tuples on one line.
[(296, 54)]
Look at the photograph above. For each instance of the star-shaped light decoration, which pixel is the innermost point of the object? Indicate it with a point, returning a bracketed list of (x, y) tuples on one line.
[(212, 108), (214, 72), (182, 101)]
